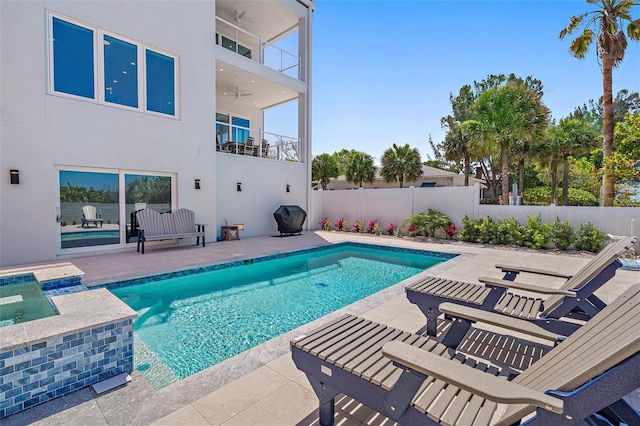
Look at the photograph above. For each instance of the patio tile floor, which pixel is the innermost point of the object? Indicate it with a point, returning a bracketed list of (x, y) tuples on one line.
[(262, 386)]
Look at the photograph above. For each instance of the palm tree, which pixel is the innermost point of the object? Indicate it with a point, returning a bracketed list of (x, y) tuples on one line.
[(463, 142), (607, 22), (508, 113), (323, 168), (569, 137), (400, 163), (361, 168)]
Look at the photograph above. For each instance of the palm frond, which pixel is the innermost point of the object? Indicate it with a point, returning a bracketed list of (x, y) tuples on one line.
[(633, 30), (580, 45), (574, 21)]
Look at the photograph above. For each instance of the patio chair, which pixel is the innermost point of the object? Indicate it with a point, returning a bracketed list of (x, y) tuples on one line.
[(89, 216), (265, 148), (574, 299), (248, 147), (413, 379)]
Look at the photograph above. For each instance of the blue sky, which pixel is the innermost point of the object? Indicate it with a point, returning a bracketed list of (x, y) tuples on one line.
[(383, 70)]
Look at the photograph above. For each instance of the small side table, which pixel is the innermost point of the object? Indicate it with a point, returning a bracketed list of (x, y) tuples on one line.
[(230, 233)]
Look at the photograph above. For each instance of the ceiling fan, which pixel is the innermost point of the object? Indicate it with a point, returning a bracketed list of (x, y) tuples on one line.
[(237, 94), (236, 15)]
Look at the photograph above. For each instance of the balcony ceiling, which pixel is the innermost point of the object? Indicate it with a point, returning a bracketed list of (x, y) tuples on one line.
[(268, 19), (264, 93)]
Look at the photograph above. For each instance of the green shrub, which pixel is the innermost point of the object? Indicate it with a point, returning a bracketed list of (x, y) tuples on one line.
[(470, 230), (536, 234), (427, 223), (541, 196), (509, 231), (562, 234), (590, 238), (487, 230)]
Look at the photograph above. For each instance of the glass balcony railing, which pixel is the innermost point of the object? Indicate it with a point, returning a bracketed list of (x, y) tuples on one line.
[(265, 145), (252, 47)]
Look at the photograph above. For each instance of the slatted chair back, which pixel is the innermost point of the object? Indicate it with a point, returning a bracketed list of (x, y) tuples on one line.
[(151, 221), (185, 221), (89, 212), (606, 340), (602, 260)]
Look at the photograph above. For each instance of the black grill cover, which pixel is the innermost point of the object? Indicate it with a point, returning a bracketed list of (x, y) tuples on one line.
[(290, 219)]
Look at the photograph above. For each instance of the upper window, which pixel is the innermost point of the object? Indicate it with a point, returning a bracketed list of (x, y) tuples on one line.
[(113, 71), (73, 68), (232, 129)]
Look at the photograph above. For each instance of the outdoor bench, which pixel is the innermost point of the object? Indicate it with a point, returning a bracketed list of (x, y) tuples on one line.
[(155, 226)]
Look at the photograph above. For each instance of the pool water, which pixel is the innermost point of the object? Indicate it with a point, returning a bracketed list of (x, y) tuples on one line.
[(23, 302), (193, 322)]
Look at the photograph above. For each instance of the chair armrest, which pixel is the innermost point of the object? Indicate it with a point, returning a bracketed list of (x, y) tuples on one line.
[(475, 381), (514, 324), (518, 269), (526, 287)]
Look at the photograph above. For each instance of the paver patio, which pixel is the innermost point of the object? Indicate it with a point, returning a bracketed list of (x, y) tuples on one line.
[(262, 386)]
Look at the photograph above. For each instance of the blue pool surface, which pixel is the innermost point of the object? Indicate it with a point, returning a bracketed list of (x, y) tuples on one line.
[(189, 323)]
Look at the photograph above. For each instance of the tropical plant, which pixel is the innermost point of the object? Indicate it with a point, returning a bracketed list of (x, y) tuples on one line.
[(469, 231), (541, 196), (401, 163), (358, 226), (450, 231), (377, 230), (323, 168), (361, 168), (370, 226), (590, 238), (342, 225), (391, 229), (606, 24), (325, 224)]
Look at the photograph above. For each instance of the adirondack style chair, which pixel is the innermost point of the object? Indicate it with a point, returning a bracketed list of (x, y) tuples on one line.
[(413, 379), (574, 299), (89, 215)]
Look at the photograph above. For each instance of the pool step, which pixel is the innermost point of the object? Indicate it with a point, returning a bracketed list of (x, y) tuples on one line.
[(110, 383)]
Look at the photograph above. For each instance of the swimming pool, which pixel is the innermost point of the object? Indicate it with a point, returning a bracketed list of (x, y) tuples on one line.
[(189, 323), (22, 302)]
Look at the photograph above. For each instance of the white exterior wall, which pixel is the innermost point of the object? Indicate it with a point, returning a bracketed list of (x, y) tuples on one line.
[(41, 133), (263, 191)]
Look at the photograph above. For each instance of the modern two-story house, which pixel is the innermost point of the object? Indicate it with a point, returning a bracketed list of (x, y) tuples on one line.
[(109, 107)]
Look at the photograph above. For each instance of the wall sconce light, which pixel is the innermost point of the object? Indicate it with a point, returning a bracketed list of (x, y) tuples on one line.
[(239, 186), (197, 183), (288, 188), (15, 177)]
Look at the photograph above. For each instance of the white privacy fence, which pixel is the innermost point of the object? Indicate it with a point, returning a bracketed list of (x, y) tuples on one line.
[(394, 205)]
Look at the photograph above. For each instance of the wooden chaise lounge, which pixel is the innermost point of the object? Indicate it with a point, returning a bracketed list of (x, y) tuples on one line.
[(154, 226), (416, 380), (574, 299)]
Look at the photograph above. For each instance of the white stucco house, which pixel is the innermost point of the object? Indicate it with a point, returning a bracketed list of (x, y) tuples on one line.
[(148, 104)]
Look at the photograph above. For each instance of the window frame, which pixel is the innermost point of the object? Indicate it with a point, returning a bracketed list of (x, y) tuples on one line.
[(232, 126), (99, 83)]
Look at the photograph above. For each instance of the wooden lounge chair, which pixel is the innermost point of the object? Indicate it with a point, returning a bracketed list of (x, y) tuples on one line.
[(414, 379), (574, 299), (89, 215)]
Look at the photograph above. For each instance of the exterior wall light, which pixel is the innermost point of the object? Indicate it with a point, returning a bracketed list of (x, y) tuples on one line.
[(288, 188), (197, 183), (15, 177), (239, 186)]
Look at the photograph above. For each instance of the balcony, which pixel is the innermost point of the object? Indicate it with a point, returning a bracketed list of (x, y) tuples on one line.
[(253, 47), (267, 145)]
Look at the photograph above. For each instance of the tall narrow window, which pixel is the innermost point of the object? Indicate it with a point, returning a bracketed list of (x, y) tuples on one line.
[(222, 127), (120, 72), (73, 71), (160, 83)]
